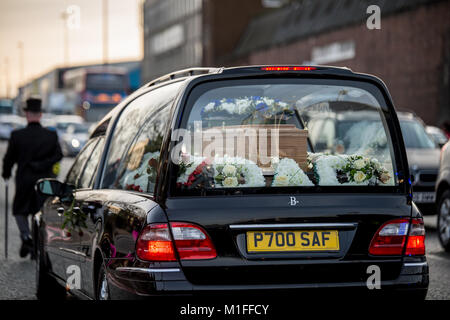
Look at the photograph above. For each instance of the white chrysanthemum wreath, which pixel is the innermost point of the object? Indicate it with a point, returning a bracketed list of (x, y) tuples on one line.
[(288, 173)]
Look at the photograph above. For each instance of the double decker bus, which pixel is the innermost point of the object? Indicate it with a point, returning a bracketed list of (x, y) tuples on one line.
[(97, 89)]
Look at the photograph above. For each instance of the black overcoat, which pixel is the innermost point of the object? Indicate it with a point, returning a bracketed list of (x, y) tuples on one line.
[(35, 150)]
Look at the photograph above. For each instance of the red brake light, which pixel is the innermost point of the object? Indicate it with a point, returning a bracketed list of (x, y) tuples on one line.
[(287, 68), (191, 242), (416, 239), (154, 243), (391, 237)]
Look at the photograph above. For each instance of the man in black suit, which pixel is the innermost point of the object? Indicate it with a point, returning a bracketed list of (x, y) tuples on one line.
[(35, 150)]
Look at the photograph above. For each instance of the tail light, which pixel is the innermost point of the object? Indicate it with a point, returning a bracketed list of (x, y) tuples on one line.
[(190, 241), (391, 237), (155, 244), (416, 239)]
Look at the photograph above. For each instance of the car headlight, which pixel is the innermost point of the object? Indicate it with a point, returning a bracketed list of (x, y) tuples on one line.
[(75, 143)]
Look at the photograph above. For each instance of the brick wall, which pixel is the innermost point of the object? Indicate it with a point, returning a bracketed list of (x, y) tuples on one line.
[(409, 53), (224, 21)]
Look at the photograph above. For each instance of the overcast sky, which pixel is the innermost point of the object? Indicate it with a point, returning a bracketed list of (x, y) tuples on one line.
[(38, 24)]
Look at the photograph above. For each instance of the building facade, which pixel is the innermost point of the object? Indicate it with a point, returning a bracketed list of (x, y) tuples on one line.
[(172, 36), (410, 53), (180, 34)]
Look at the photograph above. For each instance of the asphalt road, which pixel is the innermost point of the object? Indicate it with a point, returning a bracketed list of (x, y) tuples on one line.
[(17, 276)]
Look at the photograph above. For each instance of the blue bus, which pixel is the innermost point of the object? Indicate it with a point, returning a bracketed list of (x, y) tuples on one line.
[(97, 89)]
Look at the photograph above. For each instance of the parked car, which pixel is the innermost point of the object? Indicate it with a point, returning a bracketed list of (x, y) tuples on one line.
[(336, 132), (74, 138), (72, 132), (443, 198), (6, 106), (63, 121), (437, 135), (48, 121), (423, 158), (8, 123), (157, 203)]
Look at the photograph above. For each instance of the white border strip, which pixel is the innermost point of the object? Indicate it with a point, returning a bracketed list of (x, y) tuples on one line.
[(415, 264), (293, 225)]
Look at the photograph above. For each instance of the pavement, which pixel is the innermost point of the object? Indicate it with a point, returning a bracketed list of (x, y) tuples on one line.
[(438, 261), (17, 276)]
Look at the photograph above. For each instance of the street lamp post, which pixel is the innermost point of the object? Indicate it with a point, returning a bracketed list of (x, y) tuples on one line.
[(7, 80), (21, 60), (64, 17), (105, 31)]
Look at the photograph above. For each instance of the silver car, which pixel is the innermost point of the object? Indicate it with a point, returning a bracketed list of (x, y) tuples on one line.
[(423, 158), (8, 123), (437, 135), (443, 198)]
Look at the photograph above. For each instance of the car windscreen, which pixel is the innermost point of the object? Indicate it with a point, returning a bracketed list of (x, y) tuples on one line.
[(269, 135), (415, 136)]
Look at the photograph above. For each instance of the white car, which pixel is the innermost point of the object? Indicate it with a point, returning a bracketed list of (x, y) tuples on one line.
[(10, 122), (73, 138), (437, 135)]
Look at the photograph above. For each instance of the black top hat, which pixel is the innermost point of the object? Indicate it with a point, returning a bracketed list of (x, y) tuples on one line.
[(33, 105)]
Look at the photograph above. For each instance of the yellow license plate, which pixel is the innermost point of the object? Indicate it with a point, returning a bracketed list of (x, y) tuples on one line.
[(282, 241)]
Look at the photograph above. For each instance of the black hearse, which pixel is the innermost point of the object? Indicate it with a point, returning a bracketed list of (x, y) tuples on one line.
[(231, 180)]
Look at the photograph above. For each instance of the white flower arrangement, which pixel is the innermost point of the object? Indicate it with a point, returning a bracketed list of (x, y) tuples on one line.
[(334, 170), (246, 106), (231, 172), (329, 170), (362, 170), (326, 167), (288, 173)]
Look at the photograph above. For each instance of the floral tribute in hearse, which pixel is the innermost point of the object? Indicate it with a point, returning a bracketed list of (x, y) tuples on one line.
[(275, 151)]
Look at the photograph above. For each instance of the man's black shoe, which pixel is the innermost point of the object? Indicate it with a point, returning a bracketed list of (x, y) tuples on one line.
[(26, 248)]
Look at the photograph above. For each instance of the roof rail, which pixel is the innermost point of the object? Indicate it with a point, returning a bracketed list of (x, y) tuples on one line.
[(185, 72)]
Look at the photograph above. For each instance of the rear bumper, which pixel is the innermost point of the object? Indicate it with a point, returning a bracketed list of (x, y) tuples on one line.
[(131, 283)]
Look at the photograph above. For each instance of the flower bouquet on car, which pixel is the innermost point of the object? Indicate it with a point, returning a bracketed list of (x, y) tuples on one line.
[(289, 173), (232, 172), (221, 172), (247, 110), (362, 170), (330, 170), (195, 172)]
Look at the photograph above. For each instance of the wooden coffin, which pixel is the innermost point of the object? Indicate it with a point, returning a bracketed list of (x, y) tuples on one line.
[(258, 142)]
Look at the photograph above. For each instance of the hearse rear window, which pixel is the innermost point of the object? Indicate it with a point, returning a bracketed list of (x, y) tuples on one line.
[(275, 135)]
